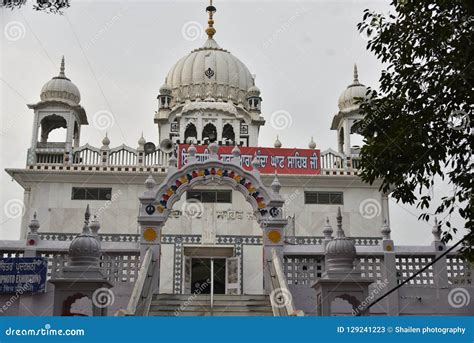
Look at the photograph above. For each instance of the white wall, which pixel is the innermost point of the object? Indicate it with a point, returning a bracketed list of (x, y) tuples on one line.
[(58, 213)]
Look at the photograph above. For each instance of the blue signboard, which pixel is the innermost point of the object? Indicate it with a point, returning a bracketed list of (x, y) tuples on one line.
[(23, 275)]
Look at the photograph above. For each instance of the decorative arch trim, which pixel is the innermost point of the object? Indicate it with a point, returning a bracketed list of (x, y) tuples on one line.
[(264, 201)]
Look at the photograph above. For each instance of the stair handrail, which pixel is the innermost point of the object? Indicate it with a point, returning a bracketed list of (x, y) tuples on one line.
[(280, 288), (139, 296)]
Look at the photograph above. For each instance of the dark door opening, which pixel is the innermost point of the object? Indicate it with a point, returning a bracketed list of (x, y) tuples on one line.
[(201, 276)]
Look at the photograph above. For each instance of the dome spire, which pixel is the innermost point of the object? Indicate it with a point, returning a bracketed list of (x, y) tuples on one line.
[(356, 74), (211, 31), (62, 68)]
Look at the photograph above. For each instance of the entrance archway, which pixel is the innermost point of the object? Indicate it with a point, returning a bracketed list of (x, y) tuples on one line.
[(157, 201)]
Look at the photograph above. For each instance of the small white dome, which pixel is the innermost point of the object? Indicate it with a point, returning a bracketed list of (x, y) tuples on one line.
[(312, 143), (210, 73), (277, 143), (60, 88), (165, 89), (106, 140), (340, 251), (348, 99), (141, 141), (253, 92), (85, 249)]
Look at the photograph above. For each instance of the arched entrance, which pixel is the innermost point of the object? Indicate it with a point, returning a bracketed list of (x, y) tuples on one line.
[(157, 201)]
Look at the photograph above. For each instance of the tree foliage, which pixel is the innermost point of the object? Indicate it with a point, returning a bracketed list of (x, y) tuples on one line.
[(417, 127), (48, 6)]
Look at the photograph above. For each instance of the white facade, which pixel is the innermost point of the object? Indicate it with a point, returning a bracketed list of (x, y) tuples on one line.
[(208, 96), (254, 241)]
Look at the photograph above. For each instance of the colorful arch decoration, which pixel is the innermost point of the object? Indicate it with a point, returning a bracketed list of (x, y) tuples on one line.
[(264, 201)]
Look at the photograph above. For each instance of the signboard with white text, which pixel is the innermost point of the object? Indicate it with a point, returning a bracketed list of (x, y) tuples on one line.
[(279, 160), (23, 275)]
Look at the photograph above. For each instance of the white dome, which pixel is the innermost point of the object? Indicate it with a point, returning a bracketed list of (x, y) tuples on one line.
[(85, 248), (348, 99), (60, 88), (210, 73)]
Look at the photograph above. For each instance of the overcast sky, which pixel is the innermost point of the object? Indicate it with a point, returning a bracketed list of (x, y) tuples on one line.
[(118, 54)]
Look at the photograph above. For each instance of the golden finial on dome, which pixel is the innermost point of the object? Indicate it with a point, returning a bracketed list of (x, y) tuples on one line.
[(210, 29)]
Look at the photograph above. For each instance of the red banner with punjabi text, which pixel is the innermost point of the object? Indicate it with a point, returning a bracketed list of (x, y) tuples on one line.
[(279, 160)]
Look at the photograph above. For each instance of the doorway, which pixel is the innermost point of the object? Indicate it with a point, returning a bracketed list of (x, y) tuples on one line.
[(201, 275)]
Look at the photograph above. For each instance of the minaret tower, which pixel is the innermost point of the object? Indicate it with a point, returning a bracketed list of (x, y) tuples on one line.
[(59, 108), (343, 121)]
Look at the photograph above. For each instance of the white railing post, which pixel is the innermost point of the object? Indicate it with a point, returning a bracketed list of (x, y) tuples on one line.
[(137, 292)]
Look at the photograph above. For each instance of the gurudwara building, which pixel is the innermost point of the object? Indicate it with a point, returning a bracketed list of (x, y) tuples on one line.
[(207, 222)]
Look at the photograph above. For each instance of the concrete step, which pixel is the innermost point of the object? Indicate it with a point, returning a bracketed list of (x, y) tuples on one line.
[(208, 296), (208, 314), (224, 307), (199, 305)]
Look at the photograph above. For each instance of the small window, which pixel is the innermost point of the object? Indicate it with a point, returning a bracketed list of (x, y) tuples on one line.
[(208, 196), (323, 198), (86, 193), (224, 196), (205, 196)]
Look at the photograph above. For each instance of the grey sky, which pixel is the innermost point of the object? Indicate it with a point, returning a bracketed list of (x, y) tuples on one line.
[(118, 54)]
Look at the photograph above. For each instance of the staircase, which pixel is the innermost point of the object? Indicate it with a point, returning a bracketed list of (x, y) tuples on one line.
[(200, 305)]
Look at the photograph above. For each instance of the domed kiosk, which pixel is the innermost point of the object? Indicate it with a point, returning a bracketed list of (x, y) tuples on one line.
[(341, 279), (83, 276), (207, 83)]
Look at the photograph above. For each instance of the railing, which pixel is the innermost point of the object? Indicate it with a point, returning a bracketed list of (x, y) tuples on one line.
[(103, 237), (331, 159), (315, 240), (119, 265), (87, 155), (123, 155), (47, 158), (140, 299), (280, 297), (50, 145)]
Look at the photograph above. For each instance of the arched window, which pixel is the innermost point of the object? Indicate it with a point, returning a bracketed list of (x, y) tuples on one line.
[(190, 134), (228, 135), (53, 123), (209, 133), (77, 305)]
